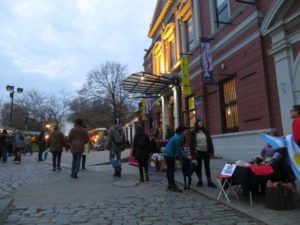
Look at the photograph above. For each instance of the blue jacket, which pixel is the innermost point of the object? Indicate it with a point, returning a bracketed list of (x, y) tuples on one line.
[(174, 147)]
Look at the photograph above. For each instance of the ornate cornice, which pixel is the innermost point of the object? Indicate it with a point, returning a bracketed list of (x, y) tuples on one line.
[(160, 18)]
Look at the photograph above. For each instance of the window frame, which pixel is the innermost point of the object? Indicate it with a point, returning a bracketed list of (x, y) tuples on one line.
[(229, 102), (158, 58), (170, 49), (218, 12), (191, 111)]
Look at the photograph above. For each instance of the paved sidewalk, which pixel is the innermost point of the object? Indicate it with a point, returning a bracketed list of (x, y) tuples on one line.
[(259, 209)]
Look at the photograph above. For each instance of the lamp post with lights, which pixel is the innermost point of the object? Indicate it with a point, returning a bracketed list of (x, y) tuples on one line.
[(11, 89)]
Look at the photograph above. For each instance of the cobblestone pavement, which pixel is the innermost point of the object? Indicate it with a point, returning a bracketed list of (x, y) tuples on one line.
[(162, 208), (29, 171)]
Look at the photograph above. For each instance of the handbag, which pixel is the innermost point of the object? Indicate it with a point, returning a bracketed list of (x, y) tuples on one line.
[(280, 196)]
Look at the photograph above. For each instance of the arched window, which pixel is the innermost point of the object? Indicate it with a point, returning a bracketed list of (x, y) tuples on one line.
[(158, 66), (170, 50)]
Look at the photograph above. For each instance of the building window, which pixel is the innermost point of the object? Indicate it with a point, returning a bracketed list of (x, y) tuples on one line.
[(189, 29), (170, 51), (231, 121), (191, 111), (158, 59), (222, 11), (186, 17)]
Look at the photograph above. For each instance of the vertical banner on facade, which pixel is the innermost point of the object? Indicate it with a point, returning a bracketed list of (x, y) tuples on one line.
[(148, 104), (186, 85), (144, 110), (206, 61)]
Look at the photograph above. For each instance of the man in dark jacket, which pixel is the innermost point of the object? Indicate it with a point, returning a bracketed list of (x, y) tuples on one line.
[(56, 143), (78, 137), (5, 139), (116, 144)]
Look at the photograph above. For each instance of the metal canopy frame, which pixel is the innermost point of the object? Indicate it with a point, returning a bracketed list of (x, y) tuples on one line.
[(148, 83)]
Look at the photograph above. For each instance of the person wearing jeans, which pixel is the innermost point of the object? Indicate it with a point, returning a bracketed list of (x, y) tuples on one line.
[(76, 164), (78, 137), (172, 150), (116, 144), (56, 143)]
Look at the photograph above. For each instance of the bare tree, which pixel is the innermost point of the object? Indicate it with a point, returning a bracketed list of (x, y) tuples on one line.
[(41, 108), (94, 113), (105, 84), (57, 108)]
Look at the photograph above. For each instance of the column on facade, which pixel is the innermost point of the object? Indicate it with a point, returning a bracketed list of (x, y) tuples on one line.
[(176, 106), (282, 58), (178, 37), (164, 115)]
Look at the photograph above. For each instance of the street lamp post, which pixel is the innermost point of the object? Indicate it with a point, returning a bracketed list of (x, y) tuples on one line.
[(11, 89)]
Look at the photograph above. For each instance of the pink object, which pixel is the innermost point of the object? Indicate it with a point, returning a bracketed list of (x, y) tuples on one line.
[(131, 160)]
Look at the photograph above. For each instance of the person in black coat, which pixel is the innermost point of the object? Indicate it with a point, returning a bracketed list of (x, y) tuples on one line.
[(141, 151), (202, 148)]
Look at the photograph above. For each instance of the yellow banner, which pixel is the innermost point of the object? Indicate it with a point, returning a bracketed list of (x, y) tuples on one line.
[(144, 111), (186, 85)]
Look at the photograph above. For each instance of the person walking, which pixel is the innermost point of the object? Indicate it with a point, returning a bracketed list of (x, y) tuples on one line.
[(56, 143), (174, 149), (18, 143), (295, 115), (202, 148), (141, 151), (78, 137), (87, 149), (5, 139), (28, 142), (116, 144), (41, 144)]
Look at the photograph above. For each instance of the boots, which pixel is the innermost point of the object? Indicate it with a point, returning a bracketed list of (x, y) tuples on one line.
[(210, 183), (117, 172)]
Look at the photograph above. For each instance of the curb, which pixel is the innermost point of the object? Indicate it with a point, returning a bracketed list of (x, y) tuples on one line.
[(5, 208)]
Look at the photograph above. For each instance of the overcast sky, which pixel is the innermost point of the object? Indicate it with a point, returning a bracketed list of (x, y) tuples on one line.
[(53, 44)]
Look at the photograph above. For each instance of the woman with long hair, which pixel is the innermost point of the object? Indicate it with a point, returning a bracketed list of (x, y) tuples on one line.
[(202, 148)]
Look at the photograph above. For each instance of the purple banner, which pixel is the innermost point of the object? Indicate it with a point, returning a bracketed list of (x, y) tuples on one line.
[(148, 104), (207, 67)]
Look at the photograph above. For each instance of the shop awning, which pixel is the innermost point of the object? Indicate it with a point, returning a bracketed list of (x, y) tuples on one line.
[(147, 83)]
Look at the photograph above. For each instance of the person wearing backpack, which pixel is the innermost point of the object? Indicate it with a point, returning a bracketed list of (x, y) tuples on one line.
[(141, 151), (116, 144)]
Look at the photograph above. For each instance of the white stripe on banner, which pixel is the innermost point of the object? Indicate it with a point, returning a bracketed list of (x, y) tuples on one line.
[(294, 155)]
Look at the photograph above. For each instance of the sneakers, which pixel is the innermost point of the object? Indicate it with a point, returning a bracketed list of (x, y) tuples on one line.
[(211, 184), (58, 168)]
